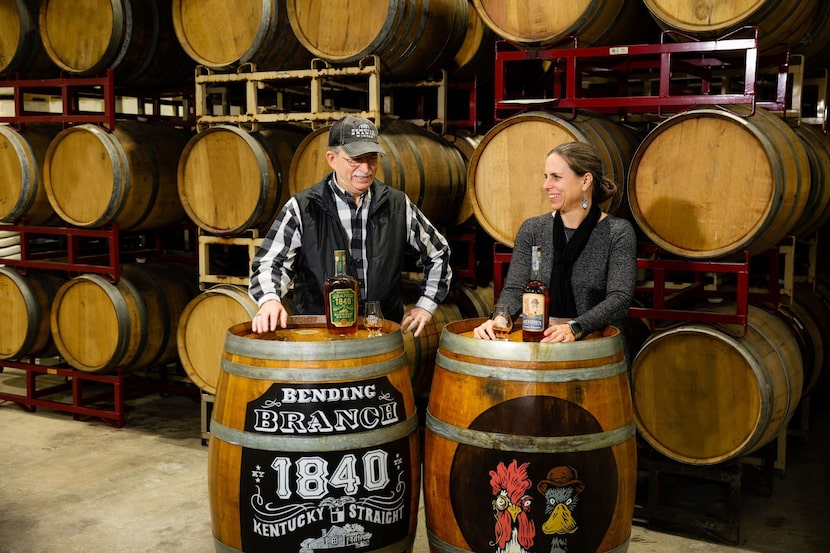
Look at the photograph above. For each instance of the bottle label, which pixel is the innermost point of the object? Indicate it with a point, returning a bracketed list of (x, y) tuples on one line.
[(343, 307), (533, 312)]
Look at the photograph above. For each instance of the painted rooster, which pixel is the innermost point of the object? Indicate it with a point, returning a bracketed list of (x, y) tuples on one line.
[(514, 528)]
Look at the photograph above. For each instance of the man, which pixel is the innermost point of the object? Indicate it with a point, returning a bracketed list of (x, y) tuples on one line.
[(349, 210)]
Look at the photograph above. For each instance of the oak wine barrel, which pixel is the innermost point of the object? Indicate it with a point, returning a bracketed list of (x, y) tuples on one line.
[(704, 396), (313, 441), (506, 171), (134, 38), (22, 192), (736, 182), (514, 429), (420, 163), (466, 144), (541, 22), (779, 21), (26, 303), (21, 50), (131, 324), (411, 38), (817, 211), (202, 328), (128, 176), (230, 180), (220, 34)]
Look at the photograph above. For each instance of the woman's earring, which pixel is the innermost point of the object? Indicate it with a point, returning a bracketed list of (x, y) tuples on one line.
[(584, 201)]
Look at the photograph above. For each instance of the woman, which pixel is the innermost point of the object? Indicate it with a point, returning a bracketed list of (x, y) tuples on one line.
[(589, 258)]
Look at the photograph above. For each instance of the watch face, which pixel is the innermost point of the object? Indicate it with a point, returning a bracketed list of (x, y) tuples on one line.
[(576, 328)]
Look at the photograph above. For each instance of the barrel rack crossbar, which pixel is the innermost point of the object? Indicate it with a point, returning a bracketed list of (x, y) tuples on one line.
[(622, 79), (316, 79)]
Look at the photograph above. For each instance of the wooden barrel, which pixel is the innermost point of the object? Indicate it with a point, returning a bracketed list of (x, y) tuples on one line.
[(817, 211), (735, 182), (21, 50), (26, 303), (221, 34), (541, 22), (22, 193), (703, 396), (411, 38), (231, 180), (473, 301), (131, 324), (466, 144), (127, 177), (529, 436), (202, 329), (421, 351), (477, 53), (809, 319), (780, 22), (313, 441), (135, 38), (420, 163), (506, 170)]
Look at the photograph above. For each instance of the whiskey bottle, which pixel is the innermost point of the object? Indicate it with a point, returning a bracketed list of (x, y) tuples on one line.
[(341, 295), (535, 302)]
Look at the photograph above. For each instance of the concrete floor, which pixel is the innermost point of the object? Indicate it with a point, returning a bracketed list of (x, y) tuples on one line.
[(73, 486)]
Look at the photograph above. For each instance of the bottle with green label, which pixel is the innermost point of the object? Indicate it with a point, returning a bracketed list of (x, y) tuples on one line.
[(341, 295)]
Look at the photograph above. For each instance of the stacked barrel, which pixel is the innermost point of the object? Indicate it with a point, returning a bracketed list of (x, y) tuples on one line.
[(701, 183), (72, 186)]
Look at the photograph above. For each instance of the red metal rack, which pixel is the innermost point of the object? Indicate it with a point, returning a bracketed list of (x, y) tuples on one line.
[(81, 405), (675, 284), (686, 72), (75, 257), (72, 90)]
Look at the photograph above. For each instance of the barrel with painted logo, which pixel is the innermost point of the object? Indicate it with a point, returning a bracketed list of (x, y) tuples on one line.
[(313, 441), (529, 445)]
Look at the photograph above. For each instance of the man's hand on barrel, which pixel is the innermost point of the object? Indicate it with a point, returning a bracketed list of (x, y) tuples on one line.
[(415, 320), (270, 314)]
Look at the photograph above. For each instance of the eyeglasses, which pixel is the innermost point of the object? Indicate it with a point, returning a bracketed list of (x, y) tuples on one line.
[(368, 159)]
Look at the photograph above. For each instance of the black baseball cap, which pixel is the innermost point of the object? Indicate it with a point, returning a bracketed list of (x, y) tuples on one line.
[(356, 135)]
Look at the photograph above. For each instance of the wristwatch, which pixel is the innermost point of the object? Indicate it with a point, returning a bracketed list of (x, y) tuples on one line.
[(576, 329)]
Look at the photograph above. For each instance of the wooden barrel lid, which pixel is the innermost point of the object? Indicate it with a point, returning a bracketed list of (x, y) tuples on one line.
[(82, 35), (506, 170), (18, 171), (213, 34), (223, 176), (88, 298), (735, 182), (82, 173), (202, 328), (18, 302)]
